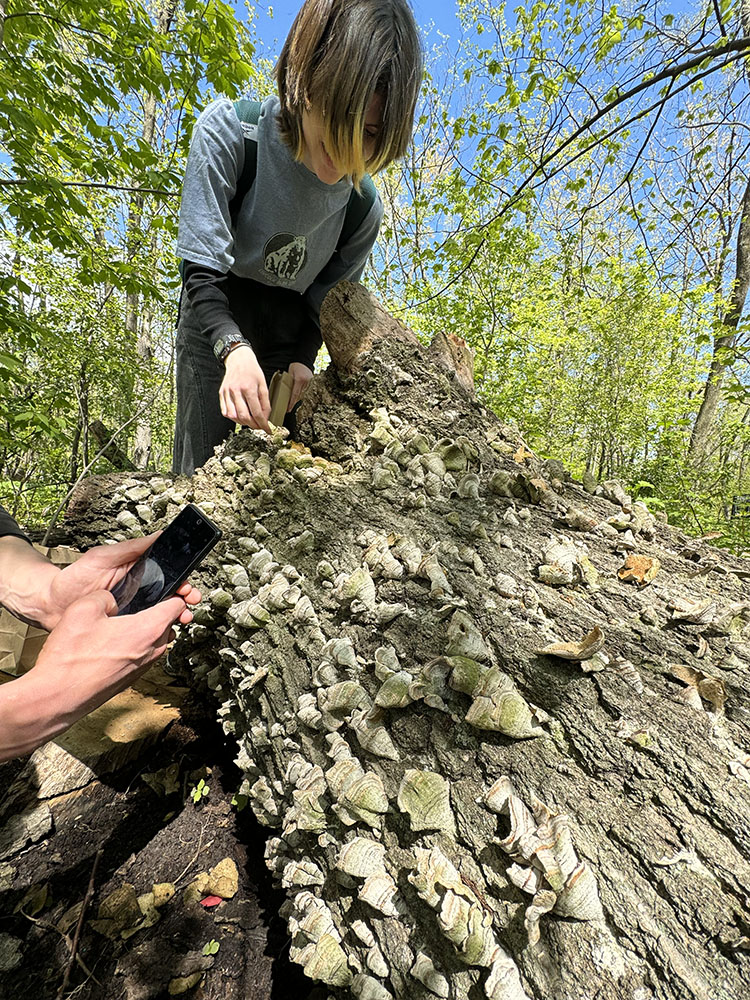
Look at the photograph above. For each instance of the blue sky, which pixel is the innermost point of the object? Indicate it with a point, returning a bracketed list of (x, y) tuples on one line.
[(274, 30)]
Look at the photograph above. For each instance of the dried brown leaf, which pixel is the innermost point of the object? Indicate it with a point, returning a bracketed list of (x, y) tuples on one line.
[(582, 650), (639, 569)]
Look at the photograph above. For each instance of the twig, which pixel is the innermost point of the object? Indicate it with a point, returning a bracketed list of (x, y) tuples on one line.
[(47, 926), (79, 926), (195, 857)]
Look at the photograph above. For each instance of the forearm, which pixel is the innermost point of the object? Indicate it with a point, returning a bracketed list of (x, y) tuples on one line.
[(25, 580), (30, 714)]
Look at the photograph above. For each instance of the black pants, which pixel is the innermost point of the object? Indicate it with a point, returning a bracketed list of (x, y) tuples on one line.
[(274, 320)]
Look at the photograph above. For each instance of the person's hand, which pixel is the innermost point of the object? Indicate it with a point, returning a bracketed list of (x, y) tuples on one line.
[(243, 394), (301, 375), (88, 657), (100, 569)]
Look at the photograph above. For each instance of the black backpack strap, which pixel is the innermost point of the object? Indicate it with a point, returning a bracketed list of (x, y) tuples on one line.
[(357, 208), (248, 113)]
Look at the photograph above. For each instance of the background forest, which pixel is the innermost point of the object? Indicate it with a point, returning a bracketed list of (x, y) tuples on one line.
[(576, 205)]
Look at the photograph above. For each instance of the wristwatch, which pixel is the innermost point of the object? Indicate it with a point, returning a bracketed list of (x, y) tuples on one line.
[(225, 345)]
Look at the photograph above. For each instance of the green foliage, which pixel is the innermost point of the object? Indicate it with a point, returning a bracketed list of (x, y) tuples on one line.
[(95, 107), (569, 210), (569, 207)]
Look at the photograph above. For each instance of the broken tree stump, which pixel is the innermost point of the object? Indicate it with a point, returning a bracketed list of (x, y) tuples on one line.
[(498, 725)]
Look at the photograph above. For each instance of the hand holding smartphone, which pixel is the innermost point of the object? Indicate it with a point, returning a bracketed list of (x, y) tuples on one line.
[(167, 563)]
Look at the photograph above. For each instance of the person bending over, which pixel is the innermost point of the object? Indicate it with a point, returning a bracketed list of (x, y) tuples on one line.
[(90, 654), (255, 274)]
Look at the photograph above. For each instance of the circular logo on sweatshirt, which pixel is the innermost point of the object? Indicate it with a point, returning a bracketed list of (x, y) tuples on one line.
[(285, 255)]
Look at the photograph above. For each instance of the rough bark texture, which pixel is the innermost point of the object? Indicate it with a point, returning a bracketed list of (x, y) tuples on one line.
[(456, 813)]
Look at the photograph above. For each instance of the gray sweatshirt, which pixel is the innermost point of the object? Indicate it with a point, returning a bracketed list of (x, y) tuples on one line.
[(289, 222)]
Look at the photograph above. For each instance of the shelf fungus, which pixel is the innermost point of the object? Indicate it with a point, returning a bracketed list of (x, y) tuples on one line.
[(700, 688), (561, 565), (625, 669), (430, 569), (380, 892), (361, 857), (425, 798), (367, 726), (309, 802), (499, 706), (545, 863), (684, 609), (425, 972), (359, 796), (465, 639), (394, 691), (466, 921), (364, 987), (316, 944), (340, 700)]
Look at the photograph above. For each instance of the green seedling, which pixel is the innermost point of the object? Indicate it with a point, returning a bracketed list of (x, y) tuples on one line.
[(211, 948), (200, 792)]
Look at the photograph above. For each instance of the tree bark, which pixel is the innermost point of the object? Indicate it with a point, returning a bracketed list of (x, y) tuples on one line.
[(498, 725), (705, 421)]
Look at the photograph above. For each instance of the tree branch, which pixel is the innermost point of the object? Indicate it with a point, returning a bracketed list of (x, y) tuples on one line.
[(25, 181)]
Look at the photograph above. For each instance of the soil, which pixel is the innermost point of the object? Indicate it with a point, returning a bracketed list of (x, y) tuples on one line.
[(146, 838)]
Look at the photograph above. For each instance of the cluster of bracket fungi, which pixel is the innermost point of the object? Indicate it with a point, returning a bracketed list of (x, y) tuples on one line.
[(313, 664)]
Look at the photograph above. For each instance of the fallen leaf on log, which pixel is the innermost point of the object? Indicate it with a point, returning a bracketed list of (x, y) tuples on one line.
[(583, 650), (639, 569)]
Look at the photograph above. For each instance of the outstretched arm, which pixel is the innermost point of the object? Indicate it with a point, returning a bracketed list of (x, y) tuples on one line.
[(90, 654)]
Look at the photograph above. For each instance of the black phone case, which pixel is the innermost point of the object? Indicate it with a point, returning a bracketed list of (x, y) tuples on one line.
[(172, 585)]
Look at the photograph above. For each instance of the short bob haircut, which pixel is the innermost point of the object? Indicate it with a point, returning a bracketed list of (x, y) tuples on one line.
[(337, 56)]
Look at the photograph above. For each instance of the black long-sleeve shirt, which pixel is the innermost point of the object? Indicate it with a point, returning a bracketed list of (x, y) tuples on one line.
[(8, 526)]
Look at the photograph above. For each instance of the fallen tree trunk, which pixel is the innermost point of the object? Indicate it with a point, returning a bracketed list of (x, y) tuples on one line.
[(498, 725)]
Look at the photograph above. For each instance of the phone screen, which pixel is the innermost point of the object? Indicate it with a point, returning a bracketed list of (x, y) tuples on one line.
[(162, 568)]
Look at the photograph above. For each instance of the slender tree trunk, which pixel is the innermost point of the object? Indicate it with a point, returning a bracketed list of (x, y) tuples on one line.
[(705, 422), (140, 331), (80, 440)]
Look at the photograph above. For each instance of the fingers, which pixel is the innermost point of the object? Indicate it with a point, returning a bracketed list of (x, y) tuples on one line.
[(122, 553), (261, 410), (99, 604), (301, 375), (189, 593), (247, 406), (297, 390), (159, 619)]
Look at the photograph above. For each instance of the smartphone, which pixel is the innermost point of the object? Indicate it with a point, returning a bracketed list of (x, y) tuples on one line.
[(167, 564)]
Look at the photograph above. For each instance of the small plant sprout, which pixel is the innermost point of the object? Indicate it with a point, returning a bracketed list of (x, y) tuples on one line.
[(211, 947), (199, 792)]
